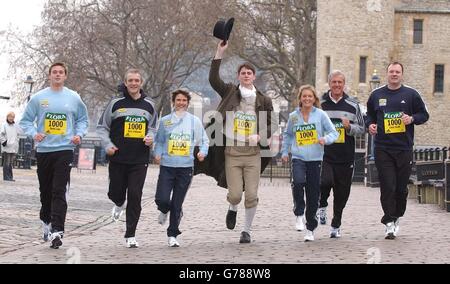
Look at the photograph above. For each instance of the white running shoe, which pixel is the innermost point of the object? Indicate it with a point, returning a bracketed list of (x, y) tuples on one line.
[(162, 218), (299, 223), (55, 240), (309, 236), (397, 227), (132, 243), (390, 231), (335, 232), (46, 231), (322, 215), (173, 243), (117, 211)]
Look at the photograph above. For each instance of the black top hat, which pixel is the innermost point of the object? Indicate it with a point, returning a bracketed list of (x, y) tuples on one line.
[(223, 30)]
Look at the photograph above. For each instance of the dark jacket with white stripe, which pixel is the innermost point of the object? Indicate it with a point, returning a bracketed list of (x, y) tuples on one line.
[(111, 128), (348, 108), (406, 100)]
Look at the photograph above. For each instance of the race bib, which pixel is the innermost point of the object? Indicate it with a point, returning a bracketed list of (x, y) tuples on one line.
[(135, 127), (393, 123), (306, 135), (55, 124), (179, 145), (341, 130), (245, 124)]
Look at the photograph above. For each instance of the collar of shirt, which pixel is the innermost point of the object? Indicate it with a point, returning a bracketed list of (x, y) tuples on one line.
[(333, 100), (247, 93)]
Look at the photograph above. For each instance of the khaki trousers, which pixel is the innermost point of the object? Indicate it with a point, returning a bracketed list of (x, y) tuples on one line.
[(243, 171)]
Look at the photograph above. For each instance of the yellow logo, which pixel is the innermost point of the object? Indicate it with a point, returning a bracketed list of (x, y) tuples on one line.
[(44, 103)]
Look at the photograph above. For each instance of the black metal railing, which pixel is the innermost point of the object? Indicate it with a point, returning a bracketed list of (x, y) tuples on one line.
[(278, 169), (431, 154)]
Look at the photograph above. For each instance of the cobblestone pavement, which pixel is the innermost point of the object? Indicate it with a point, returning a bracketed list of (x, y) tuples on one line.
[(91, 236)]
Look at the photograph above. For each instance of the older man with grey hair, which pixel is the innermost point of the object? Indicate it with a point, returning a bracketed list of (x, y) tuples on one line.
[(339, 158)]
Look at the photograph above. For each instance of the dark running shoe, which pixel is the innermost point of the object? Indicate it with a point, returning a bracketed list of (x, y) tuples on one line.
[(245, 238), (231, 219)]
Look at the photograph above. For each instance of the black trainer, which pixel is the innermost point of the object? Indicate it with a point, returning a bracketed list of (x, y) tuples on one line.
[(245, 238), (231, 219)]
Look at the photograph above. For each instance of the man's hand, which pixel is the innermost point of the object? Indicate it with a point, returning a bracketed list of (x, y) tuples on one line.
[(76, 140), (148, 141), (253, 140), (221, 49), (200, 157), (373, 129), (407, 119), (285, 159), (39, 137), (158, 160), (112, 151), (346, 123)]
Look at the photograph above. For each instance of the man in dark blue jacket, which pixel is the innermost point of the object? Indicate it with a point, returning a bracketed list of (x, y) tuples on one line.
[(392, 112)]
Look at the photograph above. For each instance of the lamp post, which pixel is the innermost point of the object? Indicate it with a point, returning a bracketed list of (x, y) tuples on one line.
[(29, 81), (374, 81), (372, 173), (28, 144)]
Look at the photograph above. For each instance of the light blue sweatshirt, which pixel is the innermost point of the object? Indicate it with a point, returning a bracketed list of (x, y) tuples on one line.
[(58, 115), (319, 120), (176, 138)]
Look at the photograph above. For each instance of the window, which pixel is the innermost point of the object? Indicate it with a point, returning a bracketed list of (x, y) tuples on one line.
[(363, 69), (327, 67), (439, 78), (360, 142), (418, 32)]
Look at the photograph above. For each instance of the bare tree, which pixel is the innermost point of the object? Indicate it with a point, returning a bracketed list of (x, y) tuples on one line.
[(99, 40), (279, 37), (169, 40)]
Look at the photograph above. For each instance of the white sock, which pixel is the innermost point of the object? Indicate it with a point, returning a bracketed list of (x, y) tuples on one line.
[(249, 216), (233, 208)]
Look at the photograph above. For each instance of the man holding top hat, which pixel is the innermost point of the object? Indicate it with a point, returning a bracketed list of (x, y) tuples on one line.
[(243, 118)]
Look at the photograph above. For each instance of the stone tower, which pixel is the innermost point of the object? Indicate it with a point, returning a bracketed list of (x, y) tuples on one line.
[(360, 36)]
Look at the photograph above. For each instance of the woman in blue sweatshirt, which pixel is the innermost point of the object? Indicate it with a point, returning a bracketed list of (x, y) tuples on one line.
[(178, 134), (309, 129)]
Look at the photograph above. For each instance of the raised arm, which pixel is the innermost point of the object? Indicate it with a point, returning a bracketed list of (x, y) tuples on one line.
[(214, 77)]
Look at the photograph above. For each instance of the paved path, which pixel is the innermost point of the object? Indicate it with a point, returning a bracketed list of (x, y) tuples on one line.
[(91, 236)]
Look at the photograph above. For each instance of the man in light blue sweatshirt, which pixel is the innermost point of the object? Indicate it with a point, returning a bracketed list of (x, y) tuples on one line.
[(57, 119), (178, 134)]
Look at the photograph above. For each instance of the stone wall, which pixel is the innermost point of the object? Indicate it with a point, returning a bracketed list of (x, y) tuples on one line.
[(382, 30), (420, 61)]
